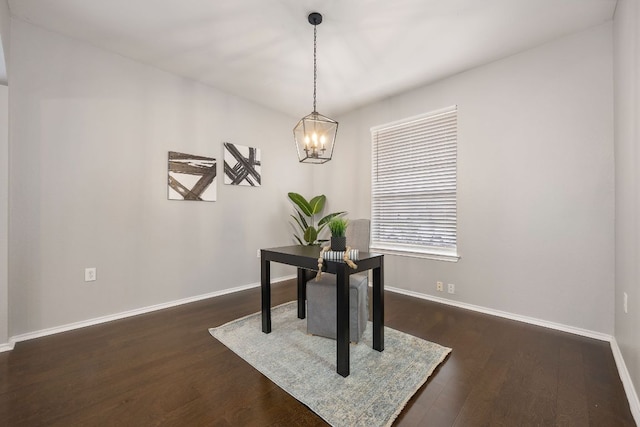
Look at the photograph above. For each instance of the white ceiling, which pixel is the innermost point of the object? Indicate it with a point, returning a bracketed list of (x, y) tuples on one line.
[(263, 49)]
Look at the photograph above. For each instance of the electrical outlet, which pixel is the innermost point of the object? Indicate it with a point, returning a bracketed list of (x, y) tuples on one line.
[(451, 288), (90, 274), (258, 253), (626, 307), (439, 287)]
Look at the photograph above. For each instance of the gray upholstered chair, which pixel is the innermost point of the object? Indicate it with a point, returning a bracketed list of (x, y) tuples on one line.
[(321, 295)]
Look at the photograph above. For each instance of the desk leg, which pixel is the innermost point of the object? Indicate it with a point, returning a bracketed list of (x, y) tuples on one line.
[(302, 292), (342, 320), (265, 284), (378, 307)]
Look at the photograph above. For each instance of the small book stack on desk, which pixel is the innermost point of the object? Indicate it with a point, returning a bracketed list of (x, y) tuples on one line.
[(339, 255)]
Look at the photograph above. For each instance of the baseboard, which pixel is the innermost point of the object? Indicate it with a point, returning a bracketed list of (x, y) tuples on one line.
[(630, 390), (129, 313), (148, 309), (8, 346), (531, 320)]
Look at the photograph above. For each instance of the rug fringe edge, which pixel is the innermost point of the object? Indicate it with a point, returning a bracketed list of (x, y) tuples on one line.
[(258, 313), (403, 404)]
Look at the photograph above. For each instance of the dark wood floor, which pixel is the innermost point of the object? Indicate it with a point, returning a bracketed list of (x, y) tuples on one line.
[(164, 368)]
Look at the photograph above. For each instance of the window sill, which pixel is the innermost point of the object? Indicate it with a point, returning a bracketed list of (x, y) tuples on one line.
[(415, 254)]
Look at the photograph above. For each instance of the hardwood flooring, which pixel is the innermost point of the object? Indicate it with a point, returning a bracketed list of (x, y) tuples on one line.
[(163, 368)]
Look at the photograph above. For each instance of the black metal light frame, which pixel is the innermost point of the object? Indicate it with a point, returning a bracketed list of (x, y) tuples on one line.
[(315, 134)]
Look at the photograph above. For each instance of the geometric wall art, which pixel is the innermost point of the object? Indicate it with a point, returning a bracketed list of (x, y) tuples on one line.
[(241, 165), (191, 177)]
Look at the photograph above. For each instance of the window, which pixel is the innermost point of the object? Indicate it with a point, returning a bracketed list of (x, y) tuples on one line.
[(413, 194)]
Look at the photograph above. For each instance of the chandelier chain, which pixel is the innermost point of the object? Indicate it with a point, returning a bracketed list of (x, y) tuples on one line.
[(315, 67)]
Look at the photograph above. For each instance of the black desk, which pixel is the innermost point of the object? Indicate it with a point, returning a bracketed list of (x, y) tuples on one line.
[(306, 258)]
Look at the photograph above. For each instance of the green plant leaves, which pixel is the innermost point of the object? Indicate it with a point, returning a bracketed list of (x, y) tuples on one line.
[(305, 219), (328, 218), (310, 235), (317, 203), (338, 226), (301, 220), (302, 203)]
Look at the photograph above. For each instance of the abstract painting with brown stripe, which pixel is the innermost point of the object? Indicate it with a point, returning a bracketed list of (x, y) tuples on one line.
[(191, 177)]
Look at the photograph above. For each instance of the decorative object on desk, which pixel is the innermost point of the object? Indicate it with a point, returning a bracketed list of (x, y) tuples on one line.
[(191, 177), (380, 383), (241, 165), (332, 255), (307, 212), (338, 226), (345, 258), (315, 134)]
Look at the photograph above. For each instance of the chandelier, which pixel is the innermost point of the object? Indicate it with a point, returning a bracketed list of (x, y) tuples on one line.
[(315, 134)]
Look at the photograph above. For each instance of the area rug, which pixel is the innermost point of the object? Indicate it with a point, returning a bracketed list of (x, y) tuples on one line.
[(380, 383)]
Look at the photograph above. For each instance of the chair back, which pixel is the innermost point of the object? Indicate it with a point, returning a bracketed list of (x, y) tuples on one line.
[(358, 234)]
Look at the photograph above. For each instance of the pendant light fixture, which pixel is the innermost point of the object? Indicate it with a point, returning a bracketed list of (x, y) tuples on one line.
[(315, 134)]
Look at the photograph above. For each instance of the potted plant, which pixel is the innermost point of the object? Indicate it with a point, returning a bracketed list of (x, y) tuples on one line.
[(307, 212), (338, 227)]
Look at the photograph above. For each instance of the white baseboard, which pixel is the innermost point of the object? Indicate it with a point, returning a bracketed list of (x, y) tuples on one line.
[(7, 346), (103, 319), (531, 320), (630, 390)]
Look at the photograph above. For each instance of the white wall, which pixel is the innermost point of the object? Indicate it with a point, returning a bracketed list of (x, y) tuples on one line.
[(4, 209), (88, 185), (627, 155), (5, 38), (535, 182), (91, 131)]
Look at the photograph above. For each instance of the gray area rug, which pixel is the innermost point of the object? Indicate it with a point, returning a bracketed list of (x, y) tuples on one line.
[(380, 383)]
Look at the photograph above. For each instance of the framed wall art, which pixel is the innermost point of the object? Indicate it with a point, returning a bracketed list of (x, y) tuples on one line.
[(191, 177), (242, 165)]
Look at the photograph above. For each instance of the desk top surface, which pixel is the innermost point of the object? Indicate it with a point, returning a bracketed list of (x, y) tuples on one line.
[(313, 252)]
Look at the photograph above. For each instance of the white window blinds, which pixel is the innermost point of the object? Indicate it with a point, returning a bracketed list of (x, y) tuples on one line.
[(413, 197)]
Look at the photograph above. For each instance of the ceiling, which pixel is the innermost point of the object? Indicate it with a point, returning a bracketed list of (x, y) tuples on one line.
[(262, 50)]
